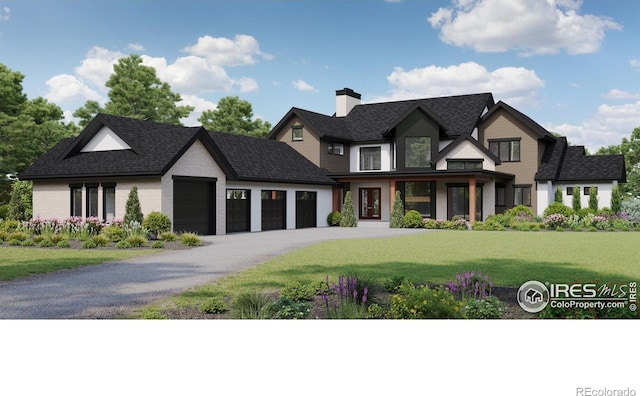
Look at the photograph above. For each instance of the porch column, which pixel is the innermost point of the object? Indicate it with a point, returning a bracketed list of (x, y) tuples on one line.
[(335, 198), (392, 195), (472, 199)]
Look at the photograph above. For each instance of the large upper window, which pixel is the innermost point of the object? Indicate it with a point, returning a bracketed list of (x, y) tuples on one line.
[(507, 150), (417, 152), (370, 158), (464, 164), (336, 148)]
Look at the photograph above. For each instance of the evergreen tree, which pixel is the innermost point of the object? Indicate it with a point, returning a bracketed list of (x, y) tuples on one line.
[(234, 115), (576, 199), (397, 212), (348, 215), (558, 196), (133, 211), (21, 204), (616, 200), (593, 199)]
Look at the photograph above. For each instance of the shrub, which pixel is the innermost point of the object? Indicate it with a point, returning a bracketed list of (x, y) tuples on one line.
[(430, 224), (250, 306), (333, 219), (133, 212), (89, 244), (632, 208), (190, 239), (100, 240), (501, 219), (412, 219), (471, 285), (555, 221), (15, 242), (584, 212), (287, 308), (616, 200), (392, 284), (213, 305), (298, 291), (155, 223), (3, 236), (168, 236), (558, 208), (4, 211), (575, 200), (20, 203), (46, 243), (123, 245), (57, 238), (157, 245), (459, 224), (115, 233), (28, 242), (487, 308), (397, 220), (9, 225), (424, 303), (38, 238), (19, 235), (136, 240), (520, 213), (593, 199), (558, 195), (348, 217), (346, 299), (64, 243)]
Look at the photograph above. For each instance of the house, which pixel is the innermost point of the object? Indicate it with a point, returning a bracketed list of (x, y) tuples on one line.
[(206, 182), (449, 156)]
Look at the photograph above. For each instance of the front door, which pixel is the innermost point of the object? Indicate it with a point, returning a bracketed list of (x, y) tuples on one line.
[(370, 203)]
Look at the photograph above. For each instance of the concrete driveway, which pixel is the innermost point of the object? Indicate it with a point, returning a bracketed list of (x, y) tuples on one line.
[(106, 290)]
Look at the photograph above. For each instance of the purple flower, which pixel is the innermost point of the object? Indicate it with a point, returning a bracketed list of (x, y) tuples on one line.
[(364, 295)]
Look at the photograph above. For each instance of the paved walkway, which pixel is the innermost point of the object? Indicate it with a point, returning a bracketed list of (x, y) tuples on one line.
[(103, 291)]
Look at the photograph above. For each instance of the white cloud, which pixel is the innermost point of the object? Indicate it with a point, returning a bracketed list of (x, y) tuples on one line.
[(619, 94), (190, 74), (531, 27), (608, 126), (199, 105), (5, 13), (302, 86), (221, 51), (246, 84), (135, 47), (65, 88), (635, 64), (515, 85), (97, 66)]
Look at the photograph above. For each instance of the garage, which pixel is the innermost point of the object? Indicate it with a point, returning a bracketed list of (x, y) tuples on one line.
[(306, 209), (194, 205), (238, 210), (274, 210)]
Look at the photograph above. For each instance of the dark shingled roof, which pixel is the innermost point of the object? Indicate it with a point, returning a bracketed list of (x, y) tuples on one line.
[(155, 147), (456, 115)]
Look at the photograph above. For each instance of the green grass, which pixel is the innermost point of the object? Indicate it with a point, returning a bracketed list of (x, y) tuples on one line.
[(509, 258), (16, 262)]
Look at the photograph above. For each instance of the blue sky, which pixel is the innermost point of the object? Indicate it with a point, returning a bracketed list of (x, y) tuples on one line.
[(572, 66)]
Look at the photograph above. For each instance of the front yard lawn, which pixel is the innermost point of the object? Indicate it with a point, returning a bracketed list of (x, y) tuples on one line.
[(18, 262), (509, 258)]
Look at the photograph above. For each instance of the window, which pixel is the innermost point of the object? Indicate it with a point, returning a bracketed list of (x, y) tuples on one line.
[(458, 201), (92, 200), (522, 195), (76, 200), (417, 152), (464, 165), (296, 133), (336, 148), (506, 150), (417, 196), (587, 190), (501, 195), (108, 202), (370, 158), (569, 190)]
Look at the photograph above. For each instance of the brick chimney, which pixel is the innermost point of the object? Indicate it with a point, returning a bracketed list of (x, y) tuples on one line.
[(346, 99)]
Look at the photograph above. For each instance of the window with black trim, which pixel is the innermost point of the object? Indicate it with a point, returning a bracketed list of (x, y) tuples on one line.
[(464, 164), (76, 200), (587, 190), (370, 158), (92, 200), (522, 195), (508, 150), (569, 190), (108, 202), (336, 149), (296, 133), (417, 152), (501, 195)]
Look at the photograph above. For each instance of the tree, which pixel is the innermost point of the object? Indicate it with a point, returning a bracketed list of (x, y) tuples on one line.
[(616, 200), (234, 115), (348, 215), (575, 202), (397, 212), (21, 204), (630, 148), (593, 199), (133, 212), (136, 92)]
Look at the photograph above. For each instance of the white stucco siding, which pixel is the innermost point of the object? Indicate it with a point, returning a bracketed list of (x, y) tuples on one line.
[(488, 199), (196, 162), (441, 200), (323, 201), (546, 194), (467, 151), (51, 200), (385, 157)]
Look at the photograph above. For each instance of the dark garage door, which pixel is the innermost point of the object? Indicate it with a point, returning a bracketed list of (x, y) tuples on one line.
[(274, 210), (306, 209), (238, 210), (194, 206)]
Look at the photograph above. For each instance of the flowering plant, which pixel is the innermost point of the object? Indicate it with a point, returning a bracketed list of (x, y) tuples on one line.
[(344, 300)]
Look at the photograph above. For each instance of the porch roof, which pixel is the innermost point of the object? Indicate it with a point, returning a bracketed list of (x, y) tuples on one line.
[(421, 175)]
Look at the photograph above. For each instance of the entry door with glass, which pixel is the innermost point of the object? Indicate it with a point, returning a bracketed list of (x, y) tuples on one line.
[(370, 203)]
